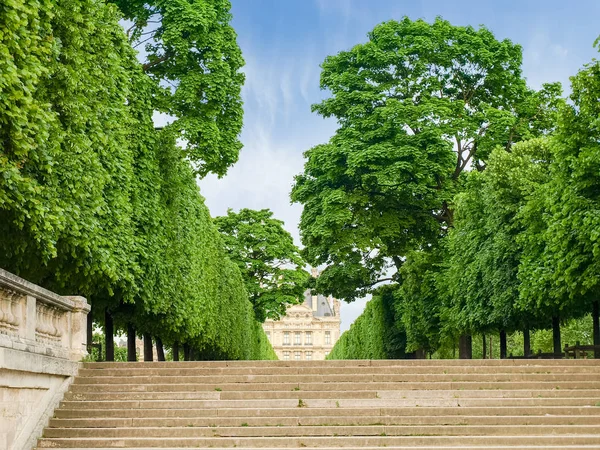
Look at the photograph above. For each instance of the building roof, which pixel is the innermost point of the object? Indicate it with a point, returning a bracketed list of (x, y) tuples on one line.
[(324, 307)]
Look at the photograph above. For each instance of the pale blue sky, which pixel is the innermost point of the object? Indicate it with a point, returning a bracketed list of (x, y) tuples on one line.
[(284, 41)]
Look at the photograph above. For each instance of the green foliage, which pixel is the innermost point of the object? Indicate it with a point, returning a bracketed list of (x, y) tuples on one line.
[(375, 334), (572, 331), (561, 268), (400, 192), (269, 261), (191, 54), (484, 247), (416, 105), (419, 299), (93, 199), (65, 164)]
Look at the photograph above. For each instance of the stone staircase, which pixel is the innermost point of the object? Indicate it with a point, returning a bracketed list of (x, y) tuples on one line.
[(425, 404)]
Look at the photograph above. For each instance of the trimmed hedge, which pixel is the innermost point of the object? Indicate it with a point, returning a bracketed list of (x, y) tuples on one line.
[(94, 200), (375, 333)]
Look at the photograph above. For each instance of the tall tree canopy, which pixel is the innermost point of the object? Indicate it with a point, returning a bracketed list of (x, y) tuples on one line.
[(560, 269), (270, 262), (190, 51), (417, 105), (96, 201), (485, 249)]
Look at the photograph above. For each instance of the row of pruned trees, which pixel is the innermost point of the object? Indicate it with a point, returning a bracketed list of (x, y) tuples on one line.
[(472, 195), (94, 199)]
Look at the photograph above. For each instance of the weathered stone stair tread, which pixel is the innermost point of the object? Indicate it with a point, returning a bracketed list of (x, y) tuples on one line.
[(325, 430), (446, 385), (351, 363), (283, 412), (394, 447), (510, 404), (297, 394), (320, 420), (364, 370), (353, 378), (327, 441)]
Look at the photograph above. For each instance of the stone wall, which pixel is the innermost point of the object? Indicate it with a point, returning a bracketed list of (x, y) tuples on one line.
[(42, 340)]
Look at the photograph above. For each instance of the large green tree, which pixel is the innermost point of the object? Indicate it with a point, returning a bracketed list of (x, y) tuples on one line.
[(270, 262), (417, 105), (190, 51), (560, 268), (484, 248), (96, 201)]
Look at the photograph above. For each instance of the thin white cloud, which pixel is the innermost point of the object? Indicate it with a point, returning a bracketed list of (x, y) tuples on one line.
[(545, 61)]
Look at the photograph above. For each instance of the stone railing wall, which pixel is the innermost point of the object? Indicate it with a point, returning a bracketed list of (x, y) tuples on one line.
[(42, 339)]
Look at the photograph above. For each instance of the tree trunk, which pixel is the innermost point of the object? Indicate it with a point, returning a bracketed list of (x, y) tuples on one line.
[(131, 350), (160, 351), (420, 354), (556, 336), (148, 355), (90, 332), (502, 344), (526, 342), (491, 347), (176, 351), (465, 347), (596, 324), (109, 331), (186, 352), (484, 347)]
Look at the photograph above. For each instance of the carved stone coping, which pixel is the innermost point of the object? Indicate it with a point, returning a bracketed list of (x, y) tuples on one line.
[(24, 287), (35, 320)]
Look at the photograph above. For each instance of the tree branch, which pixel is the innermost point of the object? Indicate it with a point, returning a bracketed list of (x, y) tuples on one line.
[(160, 60)]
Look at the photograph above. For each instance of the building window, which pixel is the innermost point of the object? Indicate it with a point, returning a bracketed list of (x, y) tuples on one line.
[(297, 356), (327, 338), (308, 338), (269, 336), (286, 338), (297, 338), (326, 354), (286, 356), (308, 356)]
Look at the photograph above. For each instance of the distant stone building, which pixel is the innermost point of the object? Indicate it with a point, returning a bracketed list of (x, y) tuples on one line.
[(308, 331)]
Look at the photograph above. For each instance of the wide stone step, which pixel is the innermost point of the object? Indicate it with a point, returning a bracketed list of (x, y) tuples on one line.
[(329, 430), (328, 441), (324, 420), (303, 412), (420, 447), (297, 394), (362, 370), (160, 386), (328, 403), (553, 363), (445, 386), (348, 378)]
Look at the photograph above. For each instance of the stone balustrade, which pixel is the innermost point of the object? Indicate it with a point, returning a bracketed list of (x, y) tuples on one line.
[(42, 340)]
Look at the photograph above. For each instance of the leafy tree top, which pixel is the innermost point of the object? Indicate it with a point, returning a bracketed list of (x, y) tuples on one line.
[(269, 260), (418, 104), (191, 53)]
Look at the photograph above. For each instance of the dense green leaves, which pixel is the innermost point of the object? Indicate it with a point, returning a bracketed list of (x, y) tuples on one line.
[(475, 196), (93, 199), (270, 263), (376, 334), (417, 105), (561, 268), (191, 54)]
